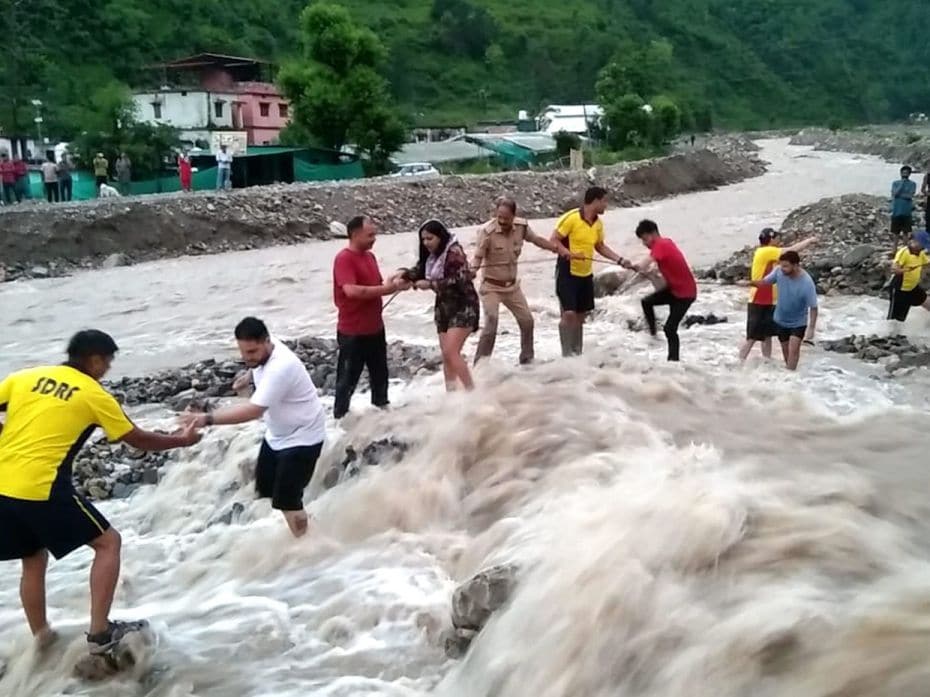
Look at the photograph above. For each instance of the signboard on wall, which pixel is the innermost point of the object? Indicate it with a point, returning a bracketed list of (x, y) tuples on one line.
[(235, 141)]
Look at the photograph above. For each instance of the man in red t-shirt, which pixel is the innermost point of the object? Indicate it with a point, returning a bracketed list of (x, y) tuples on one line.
[(21, 177), (7, 177), (680, 289), (357, 292)]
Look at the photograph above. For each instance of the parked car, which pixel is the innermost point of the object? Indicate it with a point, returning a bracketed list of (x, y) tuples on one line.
[(416, 169)]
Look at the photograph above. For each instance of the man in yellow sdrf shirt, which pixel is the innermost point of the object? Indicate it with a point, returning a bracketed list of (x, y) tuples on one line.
[(906, 292), (50, 412), (581, 233)]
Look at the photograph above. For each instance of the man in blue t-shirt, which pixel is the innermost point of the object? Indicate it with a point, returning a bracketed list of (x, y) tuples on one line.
[(902, 204), (795, 308)]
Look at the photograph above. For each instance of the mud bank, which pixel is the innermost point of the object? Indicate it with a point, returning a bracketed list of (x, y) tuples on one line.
[(40, 241), (906, 146)]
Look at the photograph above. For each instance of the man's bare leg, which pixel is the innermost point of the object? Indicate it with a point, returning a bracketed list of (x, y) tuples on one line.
[(746, 349), (297, 521), (104, 573), (767, 348), (32, 593), (794, 352), (571, 328)]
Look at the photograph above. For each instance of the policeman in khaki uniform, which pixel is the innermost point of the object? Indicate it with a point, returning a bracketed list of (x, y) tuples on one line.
[(498, 248)]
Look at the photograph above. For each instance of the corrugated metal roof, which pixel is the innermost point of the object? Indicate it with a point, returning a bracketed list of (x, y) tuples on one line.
[(201, 59), (536, 142), (443, 151)]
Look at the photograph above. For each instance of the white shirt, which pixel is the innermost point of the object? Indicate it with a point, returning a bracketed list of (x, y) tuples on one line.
[(224, 159), (294, 415)]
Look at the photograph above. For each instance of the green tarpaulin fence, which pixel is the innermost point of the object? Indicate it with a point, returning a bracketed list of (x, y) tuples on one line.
[(299, 167)]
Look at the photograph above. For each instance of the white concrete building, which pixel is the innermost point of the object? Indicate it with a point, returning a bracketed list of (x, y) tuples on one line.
[(196, 113), (571, 118)]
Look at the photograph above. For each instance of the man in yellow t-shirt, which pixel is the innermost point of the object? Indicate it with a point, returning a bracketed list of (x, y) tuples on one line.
[(50, 412), (906, 292), (760, 312), (580, 232)]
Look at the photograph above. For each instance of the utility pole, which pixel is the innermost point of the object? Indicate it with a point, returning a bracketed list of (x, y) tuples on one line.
[(37, 103)]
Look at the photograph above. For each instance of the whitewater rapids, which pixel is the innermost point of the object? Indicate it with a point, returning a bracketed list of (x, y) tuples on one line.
[(695, 529)]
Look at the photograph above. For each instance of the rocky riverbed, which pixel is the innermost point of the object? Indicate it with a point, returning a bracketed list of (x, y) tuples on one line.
[(897, 353), (104, 470), (904, 146), (852, 255), (39, 240)]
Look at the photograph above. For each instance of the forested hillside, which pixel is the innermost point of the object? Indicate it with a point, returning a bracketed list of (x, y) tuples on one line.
[(754, 63)]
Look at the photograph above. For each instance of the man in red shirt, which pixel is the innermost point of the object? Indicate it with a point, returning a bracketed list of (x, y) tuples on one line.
[(7, 177), (357, 292), (21, 177), (680, 289)]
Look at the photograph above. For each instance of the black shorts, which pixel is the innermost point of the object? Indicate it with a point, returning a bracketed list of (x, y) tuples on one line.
[(903, 300), (785, 333), (282, 475), (61, 525), (760, 322), (901, 225), (575, 293)]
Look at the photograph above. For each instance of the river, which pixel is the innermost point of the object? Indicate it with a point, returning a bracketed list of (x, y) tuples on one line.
[(698, 529)]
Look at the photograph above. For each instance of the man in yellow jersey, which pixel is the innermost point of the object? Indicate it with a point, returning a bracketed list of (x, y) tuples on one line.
[(50, 412), (906, 292), (760, 312), (580, 232)]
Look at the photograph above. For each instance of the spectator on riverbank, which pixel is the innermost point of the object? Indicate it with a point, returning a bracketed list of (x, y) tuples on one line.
[(21, 171), (123, 173), (50, 178), (224, 168), (7, 178), (185, 171), (902, 204), (925, 192), (65, 181), (101, 170)]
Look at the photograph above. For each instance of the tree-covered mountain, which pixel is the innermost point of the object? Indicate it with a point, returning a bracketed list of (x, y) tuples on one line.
[(753, 63)]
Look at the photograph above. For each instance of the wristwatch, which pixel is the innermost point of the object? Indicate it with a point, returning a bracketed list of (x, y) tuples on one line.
[(208, 420)]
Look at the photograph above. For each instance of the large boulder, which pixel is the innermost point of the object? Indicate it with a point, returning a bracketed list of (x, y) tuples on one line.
[(474, 602)]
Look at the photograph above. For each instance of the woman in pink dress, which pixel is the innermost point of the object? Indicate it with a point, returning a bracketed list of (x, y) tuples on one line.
[(185, 171)]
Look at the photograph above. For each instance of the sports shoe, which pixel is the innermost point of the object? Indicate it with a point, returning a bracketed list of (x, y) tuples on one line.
[(104, 641)]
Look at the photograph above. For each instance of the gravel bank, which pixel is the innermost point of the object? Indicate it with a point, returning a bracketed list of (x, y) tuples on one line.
[(908, 146), (854, 249)]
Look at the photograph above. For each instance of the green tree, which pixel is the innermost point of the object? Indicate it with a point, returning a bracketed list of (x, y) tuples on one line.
[(641, 69), (566, 142), (626, 121), (463, 27), (112, 128), (338, 95), (666, 120)]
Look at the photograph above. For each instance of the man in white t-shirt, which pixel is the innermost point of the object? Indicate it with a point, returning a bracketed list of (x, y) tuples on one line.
[(224, 168), (286, 398)]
